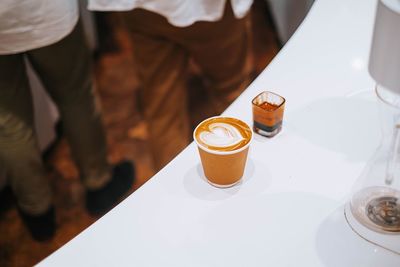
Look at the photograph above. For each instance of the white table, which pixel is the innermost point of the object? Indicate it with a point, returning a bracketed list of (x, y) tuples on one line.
[(288, 211)]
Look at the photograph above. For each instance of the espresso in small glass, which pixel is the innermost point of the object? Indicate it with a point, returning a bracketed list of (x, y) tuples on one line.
[(268, 111)]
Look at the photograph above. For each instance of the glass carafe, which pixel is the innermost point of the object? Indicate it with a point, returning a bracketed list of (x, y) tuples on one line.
[(376, 204)]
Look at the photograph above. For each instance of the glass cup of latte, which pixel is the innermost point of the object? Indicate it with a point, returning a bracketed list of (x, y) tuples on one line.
[(223, 144)]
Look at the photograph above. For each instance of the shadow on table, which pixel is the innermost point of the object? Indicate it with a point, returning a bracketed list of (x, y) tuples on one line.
[(348, 125), (253, 180), (338, 245)]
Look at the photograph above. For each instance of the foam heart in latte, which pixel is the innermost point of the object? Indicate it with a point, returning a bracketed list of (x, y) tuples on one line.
[(223, 134), (220, 135)]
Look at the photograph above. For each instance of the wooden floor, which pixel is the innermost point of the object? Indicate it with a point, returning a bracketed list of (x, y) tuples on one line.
[(126, 136)]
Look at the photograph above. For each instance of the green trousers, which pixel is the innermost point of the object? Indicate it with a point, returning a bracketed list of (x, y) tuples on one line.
[(64, 69)]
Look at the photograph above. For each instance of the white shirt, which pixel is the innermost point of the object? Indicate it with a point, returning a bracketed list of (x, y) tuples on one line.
[(30, 24), (180, 13)]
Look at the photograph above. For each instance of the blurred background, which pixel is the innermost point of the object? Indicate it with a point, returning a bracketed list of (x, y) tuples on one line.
[(272, 24)]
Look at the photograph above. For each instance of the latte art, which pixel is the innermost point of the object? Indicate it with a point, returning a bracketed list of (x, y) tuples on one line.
[(223, 134)]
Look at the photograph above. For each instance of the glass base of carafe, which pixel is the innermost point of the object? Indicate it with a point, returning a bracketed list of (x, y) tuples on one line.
[(377, 208)]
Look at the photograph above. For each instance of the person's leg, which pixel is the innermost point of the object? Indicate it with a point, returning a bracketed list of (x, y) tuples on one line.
[(19, 151), (221, 49), (161, 67), (65, 70)]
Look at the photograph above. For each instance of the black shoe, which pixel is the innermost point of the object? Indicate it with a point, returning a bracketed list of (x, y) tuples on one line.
[(7, 199), (100, 201), (41, 227)]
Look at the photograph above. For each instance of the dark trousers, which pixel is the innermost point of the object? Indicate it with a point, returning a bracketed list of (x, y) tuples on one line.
[(64, 68), (162, 52)]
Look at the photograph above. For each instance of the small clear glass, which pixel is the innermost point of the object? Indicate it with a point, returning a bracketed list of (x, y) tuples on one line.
[(268, 109)]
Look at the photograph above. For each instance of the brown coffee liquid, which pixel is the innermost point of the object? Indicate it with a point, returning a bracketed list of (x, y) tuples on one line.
[(268, 106), (243, 129), (268, 115)]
